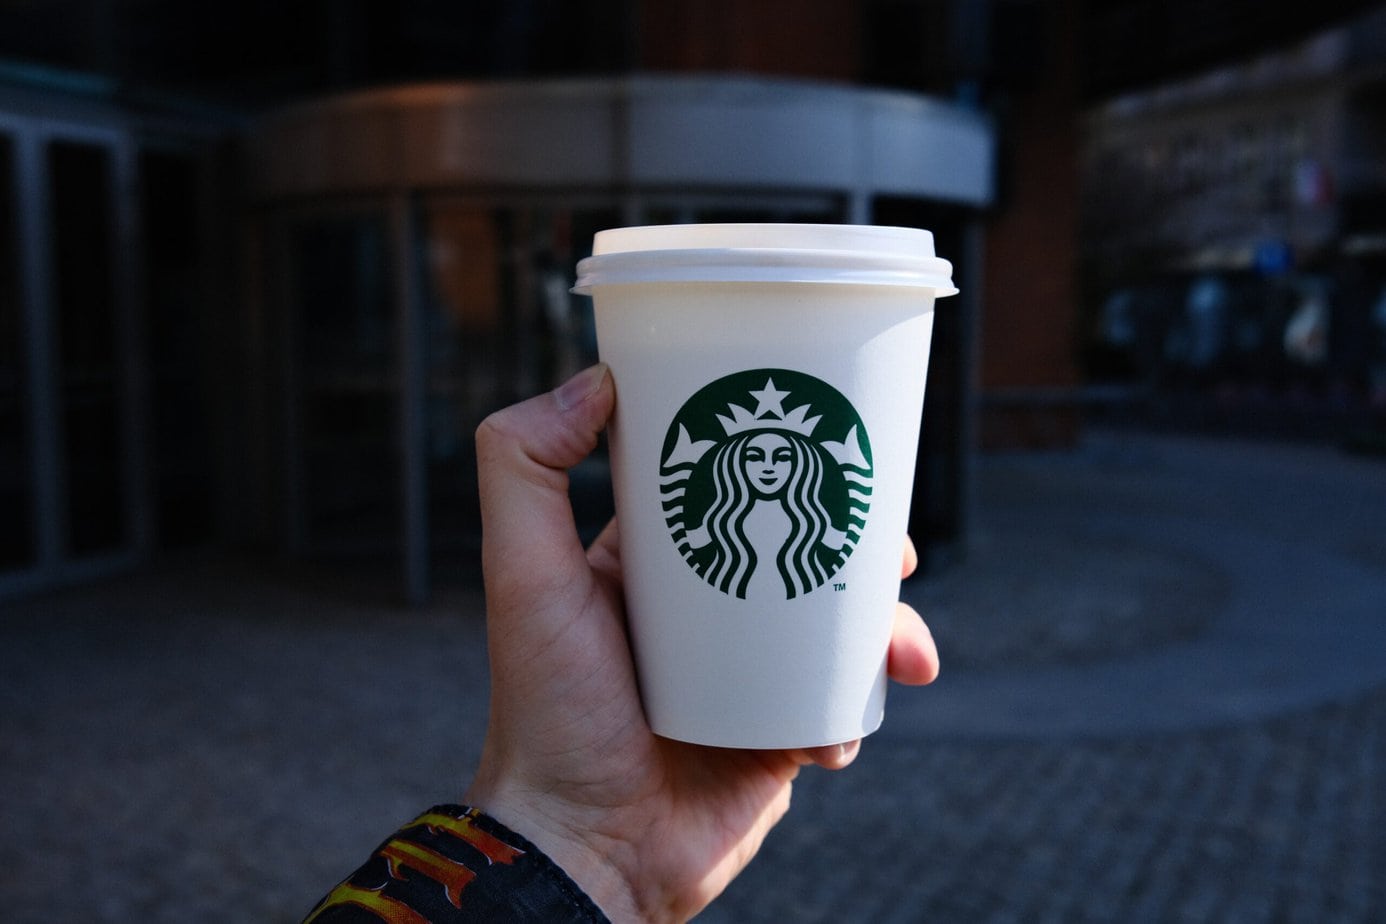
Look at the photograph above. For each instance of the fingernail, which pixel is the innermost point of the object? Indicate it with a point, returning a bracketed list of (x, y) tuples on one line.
[(580, 387)]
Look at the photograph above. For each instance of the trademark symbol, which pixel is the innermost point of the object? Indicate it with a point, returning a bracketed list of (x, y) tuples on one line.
[(837, 586)]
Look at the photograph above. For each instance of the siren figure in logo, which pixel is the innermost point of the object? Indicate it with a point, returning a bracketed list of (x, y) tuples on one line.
[(763, 509)]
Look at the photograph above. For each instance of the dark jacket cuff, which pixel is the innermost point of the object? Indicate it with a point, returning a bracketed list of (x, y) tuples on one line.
[(455, 864)]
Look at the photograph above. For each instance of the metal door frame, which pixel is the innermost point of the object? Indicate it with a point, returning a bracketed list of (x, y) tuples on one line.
[(53, 561)]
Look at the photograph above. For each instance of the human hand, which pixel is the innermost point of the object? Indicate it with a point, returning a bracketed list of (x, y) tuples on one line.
[(652, 829)]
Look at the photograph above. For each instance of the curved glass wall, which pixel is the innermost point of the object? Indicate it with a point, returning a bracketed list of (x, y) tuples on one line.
[(417, 246)]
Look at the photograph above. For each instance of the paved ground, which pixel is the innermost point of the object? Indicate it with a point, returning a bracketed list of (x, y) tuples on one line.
[(1164, 700)]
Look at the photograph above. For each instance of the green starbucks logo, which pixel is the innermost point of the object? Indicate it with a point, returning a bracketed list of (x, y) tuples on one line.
[(766, 482)]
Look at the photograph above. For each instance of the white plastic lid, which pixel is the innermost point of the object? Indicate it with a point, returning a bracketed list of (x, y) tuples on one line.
[(841, 254)]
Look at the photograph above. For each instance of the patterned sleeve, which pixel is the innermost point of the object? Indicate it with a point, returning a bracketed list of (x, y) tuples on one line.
[(453, 864)]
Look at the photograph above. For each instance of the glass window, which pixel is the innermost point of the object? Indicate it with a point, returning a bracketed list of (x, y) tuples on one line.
[(88, 360), (344, 341), (500, 326), (16, 494), (176, 346)]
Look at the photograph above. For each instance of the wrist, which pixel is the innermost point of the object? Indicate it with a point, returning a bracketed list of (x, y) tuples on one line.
[(584, 855)]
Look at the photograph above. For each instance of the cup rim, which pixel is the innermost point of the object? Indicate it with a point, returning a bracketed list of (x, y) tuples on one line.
[(765, 252)]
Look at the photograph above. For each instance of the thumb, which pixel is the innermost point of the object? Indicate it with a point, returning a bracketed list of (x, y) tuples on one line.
[(530, 545)]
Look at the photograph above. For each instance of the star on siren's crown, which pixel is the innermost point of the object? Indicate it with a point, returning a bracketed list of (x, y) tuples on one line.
[(743, 420)]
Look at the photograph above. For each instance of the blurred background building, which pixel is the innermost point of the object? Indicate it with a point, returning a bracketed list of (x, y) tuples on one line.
[(263, 268), (1232, 237)]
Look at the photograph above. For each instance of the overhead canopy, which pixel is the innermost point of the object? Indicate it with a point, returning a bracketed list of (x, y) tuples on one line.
[(628, 133)]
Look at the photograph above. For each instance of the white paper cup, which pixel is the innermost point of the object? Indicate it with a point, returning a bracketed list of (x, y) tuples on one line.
[(769, 385)]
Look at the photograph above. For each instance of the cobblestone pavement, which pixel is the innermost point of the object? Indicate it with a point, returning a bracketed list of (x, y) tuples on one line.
[(1155, 708), (1275, 821)]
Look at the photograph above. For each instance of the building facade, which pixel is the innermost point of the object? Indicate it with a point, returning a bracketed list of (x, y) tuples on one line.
[(281, 332), (1234, 224), (110, 307)]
